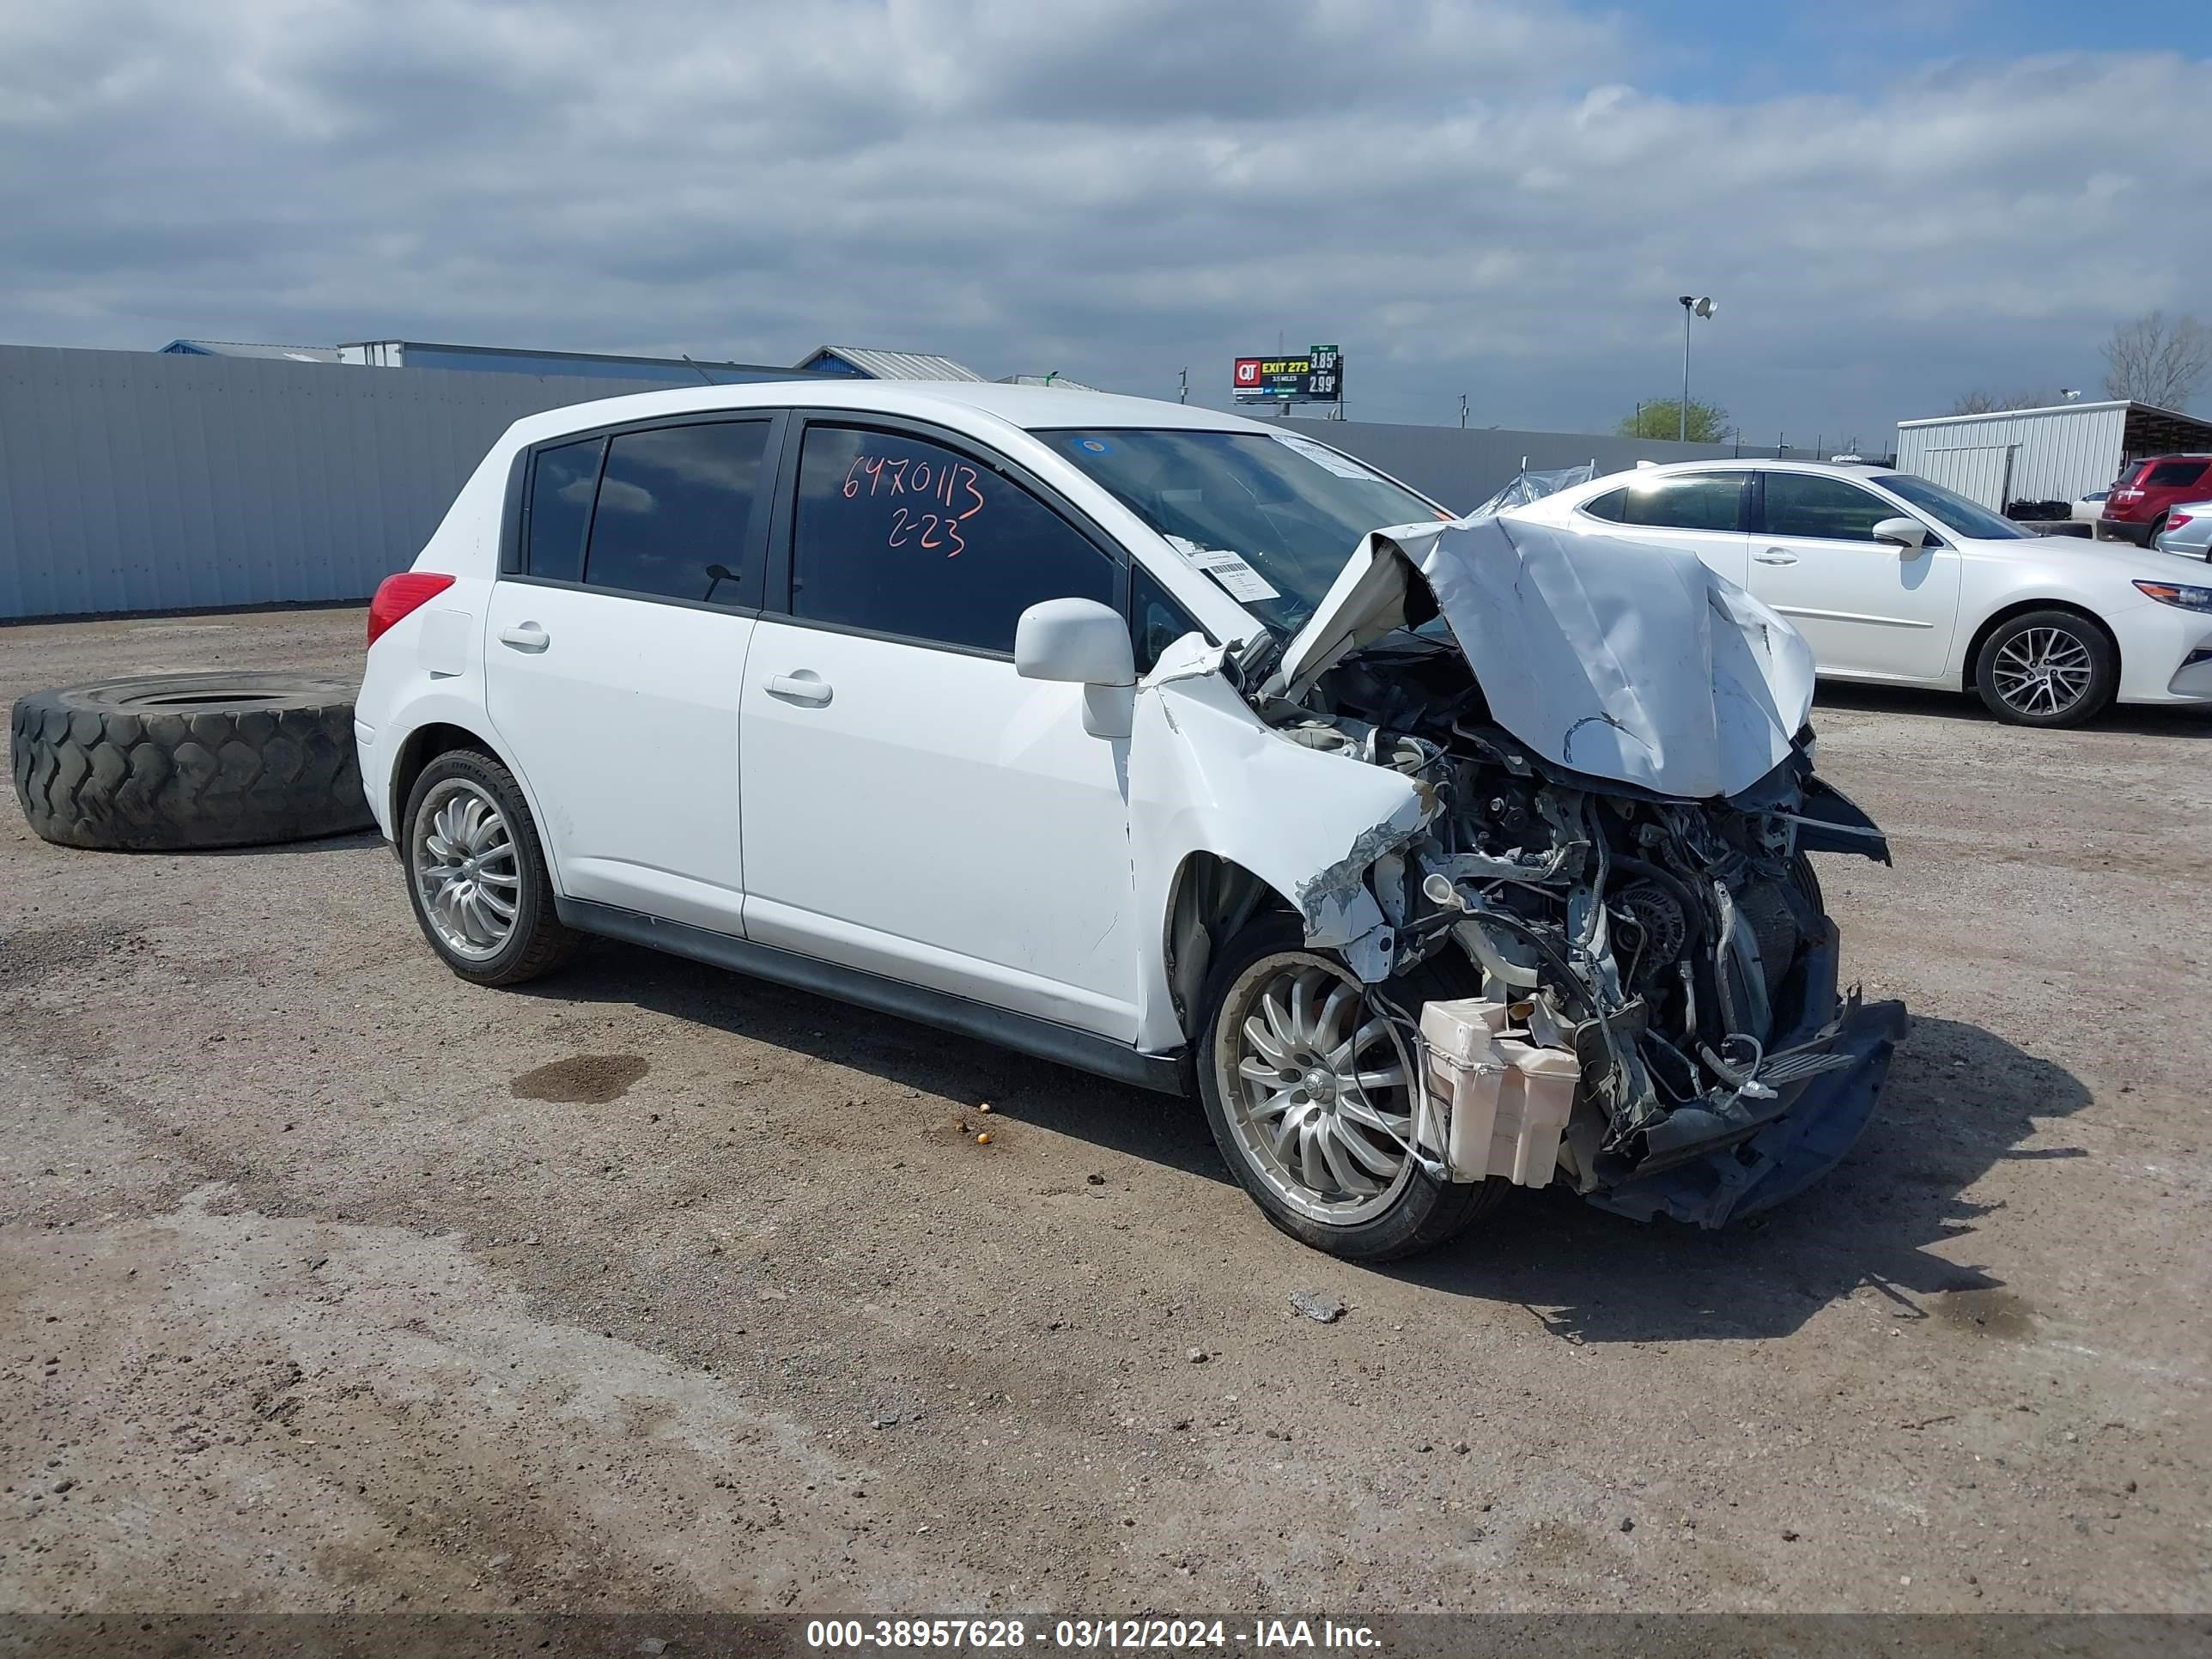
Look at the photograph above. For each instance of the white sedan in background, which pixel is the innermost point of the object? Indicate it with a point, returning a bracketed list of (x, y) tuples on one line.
[(1897, 580)]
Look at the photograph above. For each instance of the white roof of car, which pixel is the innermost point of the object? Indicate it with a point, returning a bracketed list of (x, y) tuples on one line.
[(1763, 463), (1033, 408)]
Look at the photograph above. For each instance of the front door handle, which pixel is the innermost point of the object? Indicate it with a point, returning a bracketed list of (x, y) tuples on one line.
[(1774, 555), (804, 686), (526, 636)]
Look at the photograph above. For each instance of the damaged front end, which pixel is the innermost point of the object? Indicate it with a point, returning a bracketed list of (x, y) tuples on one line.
[(1609, 799)]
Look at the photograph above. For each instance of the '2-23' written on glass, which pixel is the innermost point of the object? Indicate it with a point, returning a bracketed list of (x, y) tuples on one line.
[(950, 485)]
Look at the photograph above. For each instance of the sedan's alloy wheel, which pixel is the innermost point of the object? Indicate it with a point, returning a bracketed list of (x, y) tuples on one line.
[(2044, 670)]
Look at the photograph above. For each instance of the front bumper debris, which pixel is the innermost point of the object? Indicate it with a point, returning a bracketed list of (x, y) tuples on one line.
[(1792, 1151)]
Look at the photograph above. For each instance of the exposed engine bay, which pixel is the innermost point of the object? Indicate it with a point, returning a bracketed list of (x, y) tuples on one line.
[(1675, 946), (1657, 940)]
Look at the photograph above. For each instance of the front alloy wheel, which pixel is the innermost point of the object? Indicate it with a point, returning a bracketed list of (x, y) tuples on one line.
[(1309, 1093), (1323, 1107), (2047, 668)]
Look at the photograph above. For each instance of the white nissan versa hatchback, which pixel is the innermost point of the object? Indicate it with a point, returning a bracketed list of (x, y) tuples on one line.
[(1435, 856)]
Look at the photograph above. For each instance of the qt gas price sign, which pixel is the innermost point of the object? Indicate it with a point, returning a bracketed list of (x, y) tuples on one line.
[(1316, 377)]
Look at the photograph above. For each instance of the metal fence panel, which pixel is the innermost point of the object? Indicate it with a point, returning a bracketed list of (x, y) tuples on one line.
[(140, 481), (146, 480)]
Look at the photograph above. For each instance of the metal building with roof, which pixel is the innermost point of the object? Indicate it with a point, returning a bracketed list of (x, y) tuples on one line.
[(290, 354), (591, 365), (2056, 453), (867, 363)]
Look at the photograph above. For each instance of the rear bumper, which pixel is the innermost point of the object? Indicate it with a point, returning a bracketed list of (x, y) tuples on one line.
[(1789, 1152)]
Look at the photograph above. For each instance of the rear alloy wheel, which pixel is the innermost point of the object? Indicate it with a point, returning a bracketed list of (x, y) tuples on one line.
[(1310, 1095), (476, 875), (2047, 668)]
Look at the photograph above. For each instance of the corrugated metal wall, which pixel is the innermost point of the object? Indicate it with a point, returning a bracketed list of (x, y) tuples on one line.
[(2055, 455), (139, 481), (142, 481), (1465, 468)]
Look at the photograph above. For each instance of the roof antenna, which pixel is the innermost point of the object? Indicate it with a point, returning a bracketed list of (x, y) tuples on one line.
[(701, 373)]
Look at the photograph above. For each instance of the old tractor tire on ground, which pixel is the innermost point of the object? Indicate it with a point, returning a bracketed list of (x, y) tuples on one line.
[(172, 762)]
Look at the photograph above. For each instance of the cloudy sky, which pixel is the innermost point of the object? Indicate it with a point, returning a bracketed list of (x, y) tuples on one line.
[(1894, 200)]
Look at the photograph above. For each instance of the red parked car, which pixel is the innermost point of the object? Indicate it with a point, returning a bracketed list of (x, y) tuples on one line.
[(2137, 508)]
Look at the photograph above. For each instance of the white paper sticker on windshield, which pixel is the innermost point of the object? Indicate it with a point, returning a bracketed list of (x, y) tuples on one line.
[(1236, 578), (1343, 465)]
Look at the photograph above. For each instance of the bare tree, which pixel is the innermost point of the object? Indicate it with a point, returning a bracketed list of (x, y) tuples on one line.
[(1978, 402), (2157, 360)]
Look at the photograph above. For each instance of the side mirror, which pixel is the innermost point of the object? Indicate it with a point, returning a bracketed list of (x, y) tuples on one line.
[(1079, 640), (1082, 641), (1909, 534)]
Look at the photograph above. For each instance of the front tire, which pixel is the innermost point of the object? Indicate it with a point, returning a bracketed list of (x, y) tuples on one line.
[(476, 874), (1309, 1098), (2049, 668)]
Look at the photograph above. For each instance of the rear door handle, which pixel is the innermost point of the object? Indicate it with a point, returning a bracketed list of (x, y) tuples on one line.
[(526, 636), (804, 686), (1774, 555)]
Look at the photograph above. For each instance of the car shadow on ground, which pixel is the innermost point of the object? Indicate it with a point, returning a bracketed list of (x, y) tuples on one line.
[(1894, 1216), (1160, 1128), (2187, 721)]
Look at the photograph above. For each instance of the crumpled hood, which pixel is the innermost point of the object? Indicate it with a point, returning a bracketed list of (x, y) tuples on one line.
[(1622, 660)]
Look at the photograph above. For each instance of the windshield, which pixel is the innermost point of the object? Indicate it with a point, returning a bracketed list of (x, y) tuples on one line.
[(1954, 512), (1271, 517)]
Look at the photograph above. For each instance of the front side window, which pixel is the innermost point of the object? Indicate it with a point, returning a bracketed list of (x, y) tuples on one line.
[(1675, 501), (672, 510), (898, 535), (563, 482), (1156, 621), (1822, 508)]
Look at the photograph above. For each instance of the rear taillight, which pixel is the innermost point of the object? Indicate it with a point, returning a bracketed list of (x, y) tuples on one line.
[(397, 595), (2175, 520)]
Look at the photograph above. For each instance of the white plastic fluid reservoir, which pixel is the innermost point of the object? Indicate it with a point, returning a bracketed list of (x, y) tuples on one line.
[(1466, 1071), (1536, 1097)]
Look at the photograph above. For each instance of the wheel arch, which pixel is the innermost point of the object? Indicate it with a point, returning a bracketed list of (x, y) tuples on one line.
[(1210, 899), (424, 745)]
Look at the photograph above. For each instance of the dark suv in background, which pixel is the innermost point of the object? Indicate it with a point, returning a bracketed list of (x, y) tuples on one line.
[(2137, 508)]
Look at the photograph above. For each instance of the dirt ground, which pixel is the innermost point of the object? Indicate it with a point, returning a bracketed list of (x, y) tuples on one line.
[(330, 1282)]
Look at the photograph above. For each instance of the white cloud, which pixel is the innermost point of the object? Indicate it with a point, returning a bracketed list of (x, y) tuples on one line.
[(1467, 197)]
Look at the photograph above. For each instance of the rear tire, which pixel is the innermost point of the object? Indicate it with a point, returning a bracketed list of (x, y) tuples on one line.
[(1408, 1211), (476, 874), (2049, 668)]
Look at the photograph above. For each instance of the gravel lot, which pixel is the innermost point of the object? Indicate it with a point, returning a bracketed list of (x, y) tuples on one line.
[(330, 1282)]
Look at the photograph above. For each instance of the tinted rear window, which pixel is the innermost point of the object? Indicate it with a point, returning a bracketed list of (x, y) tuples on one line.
[(560, 491), (2175, 475), (1691, 500), (673, 506)]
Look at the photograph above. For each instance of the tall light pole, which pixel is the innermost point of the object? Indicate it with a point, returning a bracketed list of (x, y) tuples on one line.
[(1692, 306)]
